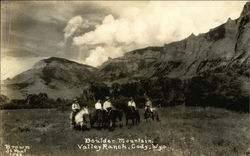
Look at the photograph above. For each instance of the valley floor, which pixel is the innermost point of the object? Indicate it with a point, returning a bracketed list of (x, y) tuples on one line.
[(182, 131)]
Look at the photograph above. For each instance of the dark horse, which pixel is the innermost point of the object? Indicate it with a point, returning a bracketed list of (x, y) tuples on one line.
[(132, 114), (111, 119), (151, 114), (97, 119)]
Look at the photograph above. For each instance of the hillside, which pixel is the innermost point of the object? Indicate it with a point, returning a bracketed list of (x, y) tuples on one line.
[(57, 77)]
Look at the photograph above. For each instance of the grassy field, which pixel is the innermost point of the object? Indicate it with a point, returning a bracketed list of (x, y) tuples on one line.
[(183, 130)]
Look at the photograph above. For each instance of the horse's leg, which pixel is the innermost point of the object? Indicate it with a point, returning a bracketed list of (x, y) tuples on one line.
[(101, 123), (120, 123), (111, 124), (81, 127), (157, 117), (145, 115), (92, 122), (105, 120), (100, 120), (138, 116), (98, 123), (74, 125)]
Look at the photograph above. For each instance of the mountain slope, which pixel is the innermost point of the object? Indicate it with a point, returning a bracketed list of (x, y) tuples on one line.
[(56, 76)]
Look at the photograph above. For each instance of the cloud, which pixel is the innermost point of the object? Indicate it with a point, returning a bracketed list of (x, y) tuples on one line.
[(34, 29), (156, 24), (101, 54), (76, 24), (72, 26)]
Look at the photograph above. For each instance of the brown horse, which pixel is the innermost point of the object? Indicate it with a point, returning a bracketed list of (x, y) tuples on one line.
[(97, 119), (151, 113), (132, 114), (112, 118)]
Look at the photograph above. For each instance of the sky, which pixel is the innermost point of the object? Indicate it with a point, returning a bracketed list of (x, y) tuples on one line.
[(91, 32)]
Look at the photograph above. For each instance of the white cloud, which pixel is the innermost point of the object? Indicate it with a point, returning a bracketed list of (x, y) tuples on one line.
[(73, 24), (101, 54), (156, 24)]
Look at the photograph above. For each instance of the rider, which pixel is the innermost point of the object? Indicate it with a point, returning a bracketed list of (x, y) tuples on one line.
[(107, 106), (148, 105), (131, 104), (75, 109), (98, 106)]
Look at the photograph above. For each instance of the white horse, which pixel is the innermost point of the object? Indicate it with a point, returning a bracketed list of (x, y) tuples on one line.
[(81, 119)]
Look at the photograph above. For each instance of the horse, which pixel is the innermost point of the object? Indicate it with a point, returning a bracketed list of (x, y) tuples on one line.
[(132, 114), (111, 118), (116, 116), (151, 113), (97, 118), (82, 120)]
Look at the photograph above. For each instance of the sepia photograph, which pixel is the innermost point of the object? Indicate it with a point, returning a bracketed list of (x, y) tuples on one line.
[(125, 78)]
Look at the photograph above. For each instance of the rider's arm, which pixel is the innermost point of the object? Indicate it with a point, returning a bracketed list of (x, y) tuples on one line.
[(133, 104), (73, 106)]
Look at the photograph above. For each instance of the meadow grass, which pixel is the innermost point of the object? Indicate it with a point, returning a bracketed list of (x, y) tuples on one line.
[(184, 130)]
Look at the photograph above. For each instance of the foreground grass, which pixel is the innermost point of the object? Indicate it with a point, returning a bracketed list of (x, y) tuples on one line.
[(184, 130)]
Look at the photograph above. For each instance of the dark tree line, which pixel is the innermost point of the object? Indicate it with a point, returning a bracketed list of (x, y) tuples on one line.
[(216, 90), (222, 90)]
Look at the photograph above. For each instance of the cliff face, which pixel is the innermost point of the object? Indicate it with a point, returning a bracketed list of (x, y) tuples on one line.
[(223, 48)]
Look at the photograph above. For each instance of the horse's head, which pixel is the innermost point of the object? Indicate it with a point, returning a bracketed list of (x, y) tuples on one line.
[(83, 111)]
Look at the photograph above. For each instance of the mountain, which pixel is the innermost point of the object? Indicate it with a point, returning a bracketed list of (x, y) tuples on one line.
[(57, 77), (224, 51), (226, 47)]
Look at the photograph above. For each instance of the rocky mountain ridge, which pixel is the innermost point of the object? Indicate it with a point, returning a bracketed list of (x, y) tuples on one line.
[(223, 46)]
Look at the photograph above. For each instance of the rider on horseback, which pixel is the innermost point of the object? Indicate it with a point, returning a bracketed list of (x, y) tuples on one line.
[(98, 106), (75, 109), (131, 104), (107, 106), (148, 105)]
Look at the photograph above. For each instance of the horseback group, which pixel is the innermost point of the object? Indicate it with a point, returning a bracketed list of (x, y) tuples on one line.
[(107, 116)]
